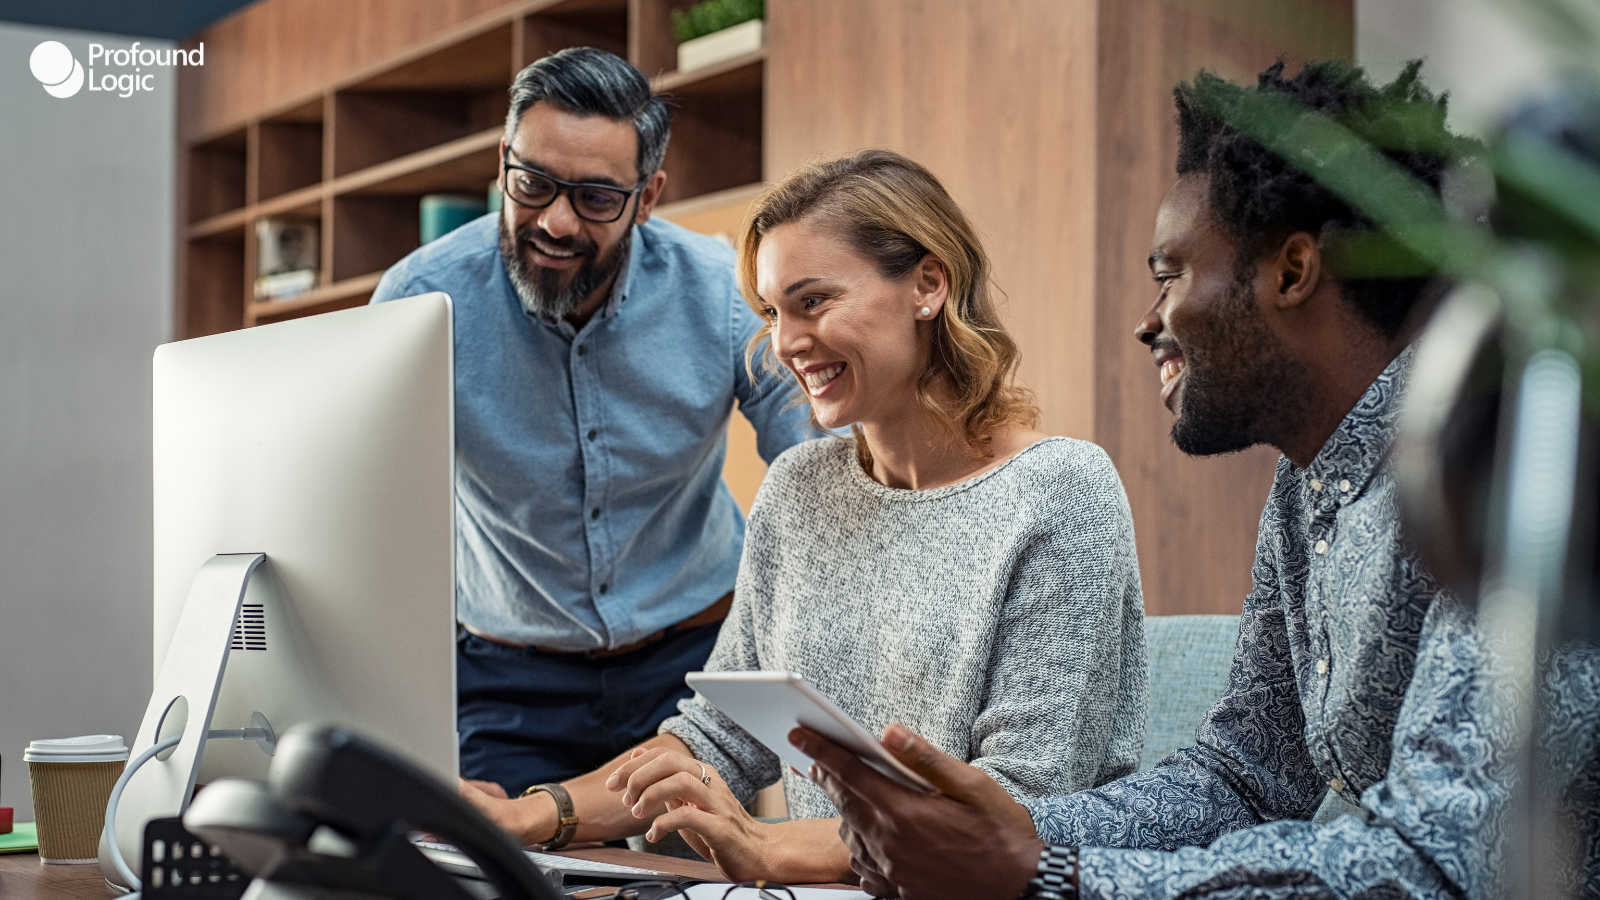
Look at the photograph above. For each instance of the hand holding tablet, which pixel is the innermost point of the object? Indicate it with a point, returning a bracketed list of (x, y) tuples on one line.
[(771, 704)]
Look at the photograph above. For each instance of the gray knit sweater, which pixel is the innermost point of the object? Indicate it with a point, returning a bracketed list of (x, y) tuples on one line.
[(1001, 617)]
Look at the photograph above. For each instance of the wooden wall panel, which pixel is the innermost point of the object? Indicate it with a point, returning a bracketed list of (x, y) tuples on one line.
[(997, 99), (1196, 519)]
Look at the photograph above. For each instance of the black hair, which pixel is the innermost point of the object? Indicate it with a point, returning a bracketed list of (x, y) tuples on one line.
[(592, 82), (1259, 198)]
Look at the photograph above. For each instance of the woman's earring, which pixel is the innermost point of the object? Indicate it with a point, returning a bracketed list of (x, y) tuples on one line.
[(926, 312)]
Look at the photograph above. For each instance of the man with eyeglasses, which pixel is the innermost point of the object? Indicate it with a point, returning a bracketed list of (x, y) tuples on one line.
[(598, 352)]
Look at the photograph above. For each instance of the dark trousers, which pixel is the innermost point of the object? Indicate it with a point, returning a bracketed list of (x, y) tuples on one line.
[(528, 717)]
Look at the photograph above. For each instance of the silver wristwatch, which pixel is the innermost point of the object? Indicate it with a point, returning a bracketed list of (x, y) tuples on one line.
[(1056, 877)]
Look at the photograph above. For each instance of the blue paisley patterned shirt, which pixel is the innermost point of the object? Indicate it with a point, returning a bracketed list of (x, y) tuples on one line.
[(1340, 617)]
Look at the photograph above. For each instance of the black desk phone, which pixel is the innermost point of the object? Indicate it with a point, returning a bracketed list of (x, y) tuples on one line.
[(334, 819)]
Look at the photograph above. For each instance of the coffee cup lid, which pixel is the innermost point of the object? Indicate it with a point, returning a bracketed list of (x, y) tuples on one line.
[(87, 748)]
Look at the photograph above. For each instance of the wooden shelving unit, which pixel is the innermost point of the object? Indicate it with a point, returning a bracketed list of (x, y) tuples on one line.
[(358, 155)]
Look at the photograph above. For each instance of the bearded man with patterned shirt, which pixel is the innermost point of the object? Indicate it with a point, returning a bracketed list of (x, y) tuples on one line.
[(1353, 673)]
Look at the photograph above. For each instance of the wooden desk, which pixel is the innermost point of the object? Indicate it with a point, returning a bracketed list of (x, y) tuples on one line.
[(23, 878)]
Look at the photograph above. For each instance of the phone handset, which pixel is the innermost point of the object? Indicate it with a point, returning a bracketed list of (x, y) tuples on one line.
[(336, 813)]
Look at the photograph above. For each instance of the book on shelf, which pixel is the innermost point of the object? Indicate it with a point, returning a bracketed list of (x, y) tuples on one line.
[(287, 256), (285, 284), (440, 214)]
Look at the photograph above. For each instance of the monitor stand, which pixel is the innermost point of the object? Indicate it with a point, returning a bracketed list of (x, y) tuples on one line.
[(184, 698)]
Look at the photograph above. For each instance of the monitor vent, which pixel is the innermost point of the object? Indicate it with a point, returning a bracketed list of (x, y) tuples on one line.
[(251, 631)]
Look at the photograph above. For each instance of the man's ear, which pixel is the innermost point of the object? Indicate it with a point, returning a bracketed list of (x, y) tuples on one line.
[(1297, 270), (649, 196)]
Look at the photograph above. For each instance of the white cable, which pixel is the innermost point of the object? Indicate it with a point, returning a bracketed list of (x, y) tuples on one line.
[(127, 775), (116, 797)]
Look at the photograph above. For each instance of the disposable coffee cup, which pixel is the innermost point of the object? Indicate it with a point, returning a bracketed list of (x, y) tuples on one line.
[(72, 780)]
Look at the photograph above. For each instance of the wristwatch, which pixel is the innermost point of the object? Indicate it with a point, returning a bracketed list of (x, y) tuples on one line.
[(1056, 878), (566, 815)]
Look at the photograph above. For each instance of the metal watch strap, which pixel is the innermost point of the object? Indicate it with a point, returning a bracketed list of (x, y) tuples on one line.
[(566, 815), (1056, 878)]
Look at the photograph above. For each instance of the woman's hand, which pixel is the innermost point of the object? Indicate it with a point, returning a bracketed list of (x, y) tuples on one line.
[(710, 818), (714, 822)]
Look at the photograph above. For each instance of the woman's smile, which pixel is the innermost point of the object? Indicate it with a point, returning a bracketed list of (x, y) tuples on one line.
[(817, 377)]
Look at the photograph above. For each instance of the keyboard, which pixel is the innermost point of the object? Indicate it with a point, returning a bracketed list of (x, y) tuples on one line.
[(565, 868)]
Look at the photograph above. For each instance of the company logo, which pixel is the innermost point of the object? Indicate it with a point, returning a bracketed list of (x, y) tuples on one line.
[(53, 64), (63, 76)]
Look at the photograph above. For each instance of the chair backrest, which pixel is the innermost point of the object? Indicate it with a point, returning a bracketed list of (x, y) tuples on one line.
[(1189, 661)]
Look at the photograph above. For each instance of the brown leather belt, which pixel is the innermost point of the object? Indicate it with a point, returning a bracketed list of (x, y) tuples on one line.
[(711, 615)]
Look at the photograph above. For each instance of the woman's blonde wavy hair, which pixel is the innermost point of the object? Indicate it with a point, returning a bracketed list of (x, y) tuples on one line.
[(895, 212)]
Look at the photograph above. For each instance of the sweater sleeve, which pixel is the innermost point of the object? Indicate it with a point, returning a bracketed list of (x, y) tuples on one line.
[(743, 762), (1067, 685)]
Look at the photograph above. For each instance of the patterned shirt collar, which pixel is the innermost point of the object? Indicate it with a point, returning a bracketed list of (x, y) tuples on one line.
[(1358, 447)]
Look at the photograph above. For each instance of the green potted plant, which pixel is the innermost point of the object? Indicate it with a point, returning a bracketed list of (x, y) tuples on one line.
[(716, 30)]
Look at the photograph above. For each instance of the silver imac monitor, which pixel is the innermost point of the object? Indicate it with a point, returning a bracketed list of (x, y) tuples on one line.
[(327, 444)]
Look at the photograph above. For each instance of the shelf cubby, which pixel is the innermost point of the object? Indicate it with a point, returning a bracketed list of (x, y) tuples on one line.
[(576, 23), (217, 175), (215, 277), (437, 98), (374, 127), (288, 151), (716, 129), (372, 232)]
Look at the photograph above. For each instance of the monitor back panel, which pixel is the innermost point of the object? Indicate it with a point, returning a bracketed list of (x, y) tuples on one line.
[(327, 443)]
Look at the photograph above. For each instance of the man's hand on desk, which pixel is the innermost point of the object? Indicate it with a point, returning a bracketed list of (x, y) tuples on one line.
[(970, 841), (529, 820), (490, 788)]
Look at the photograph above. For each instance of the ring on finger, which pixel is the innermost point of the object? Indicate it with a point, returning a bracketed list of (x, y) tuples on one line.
[(705, 777)]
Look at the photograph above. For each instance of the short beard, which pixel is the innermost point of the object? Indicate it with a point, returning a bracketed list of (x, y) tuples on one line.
[(541, 290), (1240, 385)]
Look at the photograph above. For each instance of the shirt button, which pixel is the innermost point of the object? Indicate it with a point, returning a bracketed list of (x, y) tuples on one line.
[(582, 349), (1337, 785), (1344, 485), (1322, 667), (1316, 485), (1321, 548), (604, 588), (593, 433), (594, 513)]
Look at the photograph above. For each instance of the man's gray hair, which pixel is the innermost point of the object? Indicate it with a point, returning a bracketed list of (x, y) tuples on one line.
[(590, 82)]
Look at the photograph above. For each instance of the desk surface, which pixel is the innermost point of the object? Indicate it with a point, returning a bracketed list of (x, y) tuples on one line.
[(23, 878)]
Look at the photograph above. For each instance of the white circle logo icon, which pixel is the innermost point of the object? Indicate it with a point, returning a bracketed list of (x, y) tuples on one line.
[(53, 64)]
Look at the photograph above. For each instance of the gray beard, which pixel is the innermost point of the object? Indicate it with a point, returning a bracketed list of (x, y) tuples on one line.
[(541, 290)]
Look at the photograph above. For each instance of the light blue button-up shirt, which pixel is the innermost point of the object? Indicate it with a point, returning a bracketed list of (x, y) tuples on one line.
[(590, 505)]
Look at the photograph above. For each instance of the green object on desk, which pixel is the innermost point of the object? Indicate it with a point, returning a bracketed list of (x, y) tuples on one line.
[(22, 839)]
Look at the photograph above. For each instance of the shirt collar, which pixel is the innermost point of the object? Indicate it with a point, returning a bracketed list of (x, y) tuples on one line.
[(619, 288), (1358, 447)]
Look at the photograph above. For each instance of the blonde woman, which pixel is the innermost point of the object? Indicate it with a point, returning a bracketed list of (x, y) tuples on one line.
[(947, 567)]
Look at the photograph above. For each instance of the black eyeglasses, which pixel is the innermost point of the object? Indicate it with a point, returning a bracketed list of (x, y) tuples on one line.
[(598, 203), (670, 890)]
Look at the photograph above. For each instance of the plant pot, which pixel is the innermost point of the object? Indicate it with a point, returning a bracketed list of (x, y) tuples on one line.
[(746, 37)]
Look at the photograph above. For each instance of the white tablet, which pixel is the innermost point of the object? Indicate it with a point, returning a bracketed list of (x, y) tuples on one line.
[(771, 704)]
